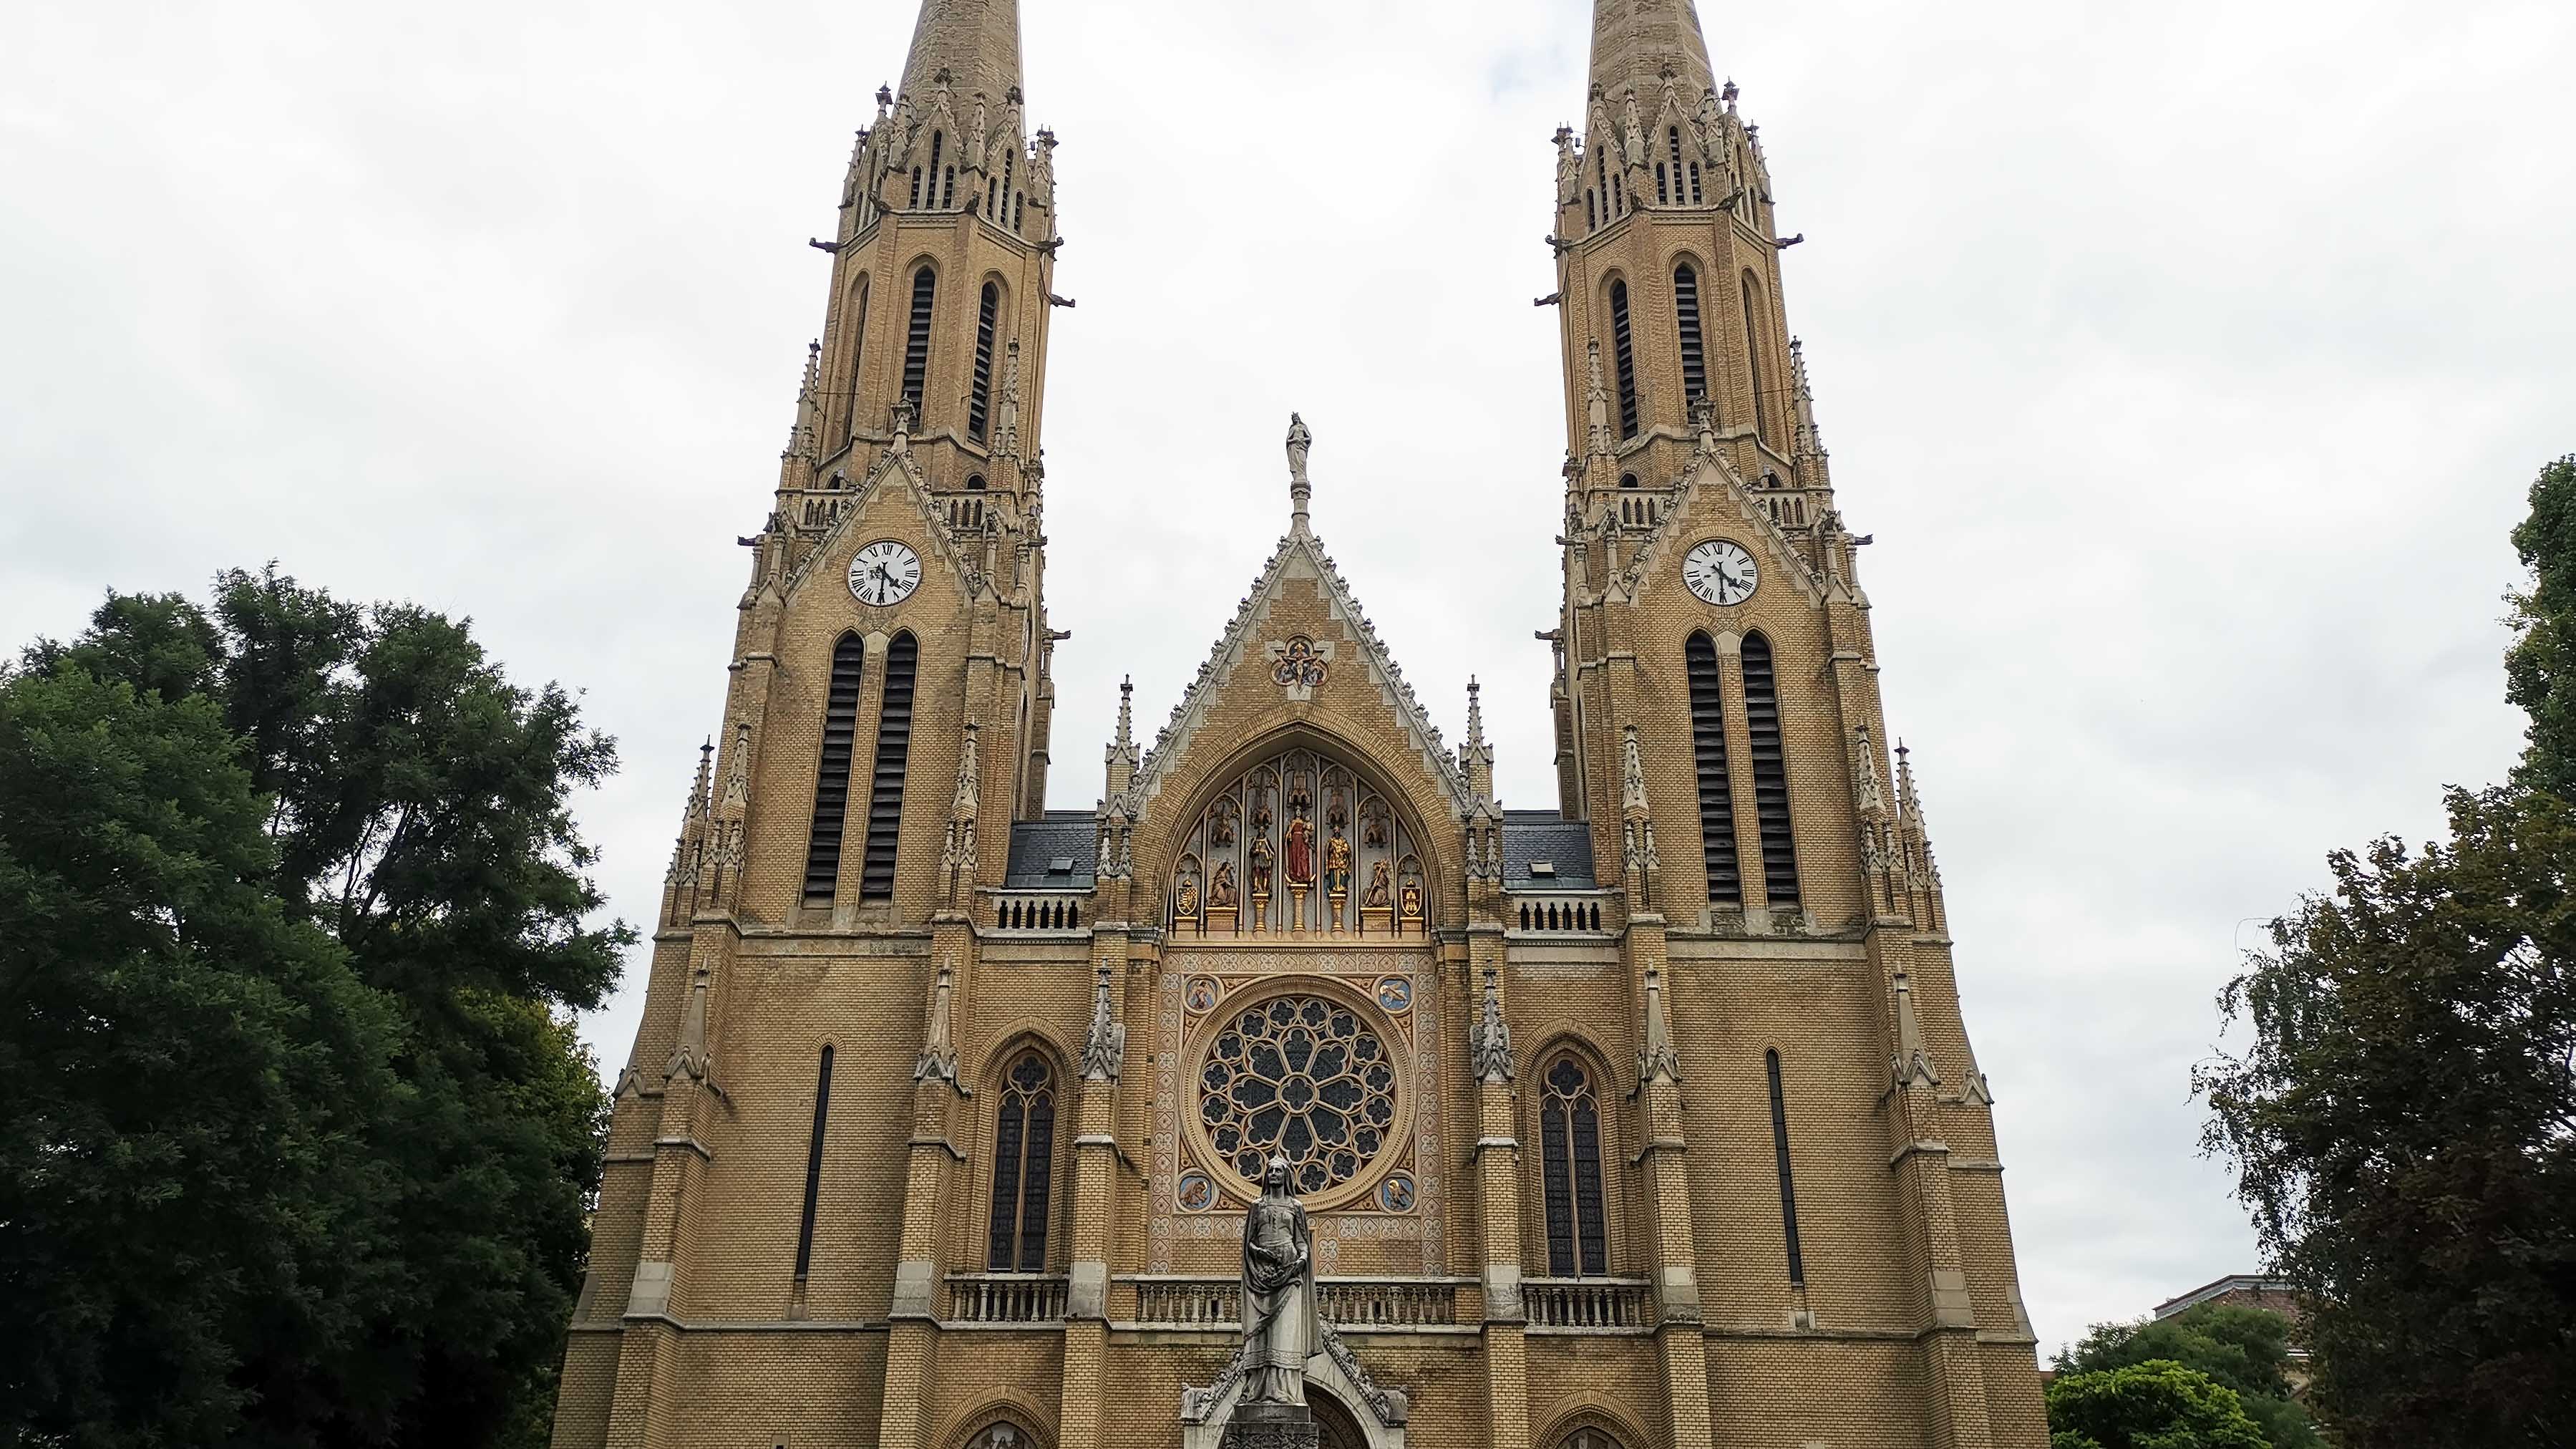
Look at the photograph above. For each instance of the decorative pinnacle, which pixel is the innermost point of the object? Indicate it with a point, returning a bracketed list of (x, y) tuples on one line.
[(1475, 714), (1300, 490), (1127, 713)]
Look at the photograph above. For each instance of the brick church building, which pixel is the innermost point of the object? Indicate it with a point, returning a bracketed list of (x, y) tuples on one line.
[(1648, 1121)]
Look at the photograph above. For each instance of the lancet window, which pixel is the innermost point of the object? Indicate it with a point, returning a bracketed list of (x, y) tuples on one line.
[(1753, 368), (1770, 774), (1716, 788), (1569, 1134), (814, 1165), (1624, 354), (1686, 319), (916, 345), (832, 774), (1788, 1187), (858, 358), (979, 403), (1299, 845), (885, 788), (1023, 1167)]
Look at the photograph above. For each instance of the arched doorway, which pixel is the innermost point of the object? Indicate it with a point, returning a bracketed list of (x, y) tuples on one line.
[(1334, 1426)]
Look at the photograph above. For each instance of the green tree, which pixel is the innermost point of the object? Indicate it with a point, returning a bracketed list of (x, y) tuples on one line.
[(2243, 1349), (414, 807), (2157, 1404), (194, 1077), (2403, 1122), (2540, 672)]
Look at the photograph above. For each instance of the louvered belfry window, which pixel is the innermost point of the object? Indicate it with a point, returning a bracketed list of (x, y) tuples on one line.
[(1569, 1133), (885, 790), (832, 776), (916, 345), (1788, 1188), (1716, 789), (1624, 349), (1686, 315), (814, 1165), (979, 405), (1770, 774), (1023, 1167)]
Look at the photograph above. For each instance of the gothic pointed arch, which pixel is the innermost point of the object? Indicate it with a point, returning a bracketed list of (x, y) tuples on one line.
[(1300, 835)]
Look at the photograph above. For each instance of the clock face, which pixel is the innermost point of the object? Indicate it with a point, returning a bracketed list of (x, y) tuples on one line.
[(1721, 572), (885, 572)]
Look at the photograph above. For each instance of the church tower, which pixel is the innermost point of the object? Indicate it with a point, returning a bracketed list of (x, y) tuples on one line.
[(1647, 1121)]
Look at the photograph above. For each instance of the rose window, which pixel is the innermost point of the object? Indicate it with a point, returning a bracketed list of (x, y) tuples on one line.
[(1300, 1077)]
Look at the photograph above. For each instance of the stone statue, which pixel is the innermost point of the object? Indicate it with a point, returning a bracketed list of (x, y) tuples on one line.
[(1278, 1293), (1260, 865), (1301, 851), (1380, 891), (1337, 865), (1221, 886), (1300, 443)]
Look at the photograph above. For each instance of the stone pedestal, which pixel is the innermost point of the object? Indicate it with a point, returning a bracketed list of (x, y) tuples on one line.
[(1271, 1426)]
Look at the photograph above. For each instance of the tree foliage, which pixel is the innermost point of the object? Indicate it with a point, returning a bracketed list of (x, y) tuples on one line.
[(2403, 1121), (2243, 1349), (2540, 672), (2156, 1404), (303, 912)]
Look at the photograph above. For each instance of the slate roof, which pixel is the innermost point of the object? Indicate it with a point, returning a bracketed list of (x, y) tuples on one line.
[(1062, 835), (1544, 835)]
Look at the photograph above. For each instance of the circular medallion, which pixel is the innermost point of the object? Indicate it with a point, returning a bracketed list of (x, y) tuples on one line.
[(1396, 1193), (1198, 1192), (1395, 993), (1202, 994), (1304, 1076), (885, 572)]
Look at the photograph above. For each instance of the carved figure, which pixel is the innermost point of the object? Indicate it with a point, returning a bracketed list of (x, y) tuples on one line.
[(1569, 166), (1380, 890), (1221, 885), (1300, 443), (1301, 851), (1260, 867), (1337, 865), (1278, 1293)]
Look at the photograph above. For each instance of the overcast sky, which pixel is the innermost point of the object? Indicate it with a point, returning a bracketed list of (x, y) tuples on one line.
[(2189, 362)]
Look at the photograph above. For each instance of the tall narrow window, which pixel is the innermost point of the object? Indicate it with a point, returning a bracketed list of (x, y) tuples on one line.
[(979, 405), (936, 142), (1716, 789), (1695, 192), (885, 793), (1788, 1188), (814, 1165), (832, 776), (1601, 179), (1023, 1167), (1686, 314), (916, 345), (858, 359), (1673, 134), (1618, 195), (1010, 175), (1663, 190), (1753, 355), (1770, 774), (948, 188), (1569, 1132), (1624, 350), (916, 188), (1591, 210), (1020, 213)]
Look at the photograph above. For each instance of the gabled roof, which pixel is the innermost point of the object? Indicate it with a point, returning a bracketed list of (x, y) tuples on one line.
[(1543, 837), (1237, 643), (1711, 464), (905, 474)]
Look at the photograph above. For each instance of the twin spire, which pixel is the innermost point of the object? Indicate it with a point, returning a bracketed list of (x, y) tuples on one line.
[(975, 42), (1636, 43)]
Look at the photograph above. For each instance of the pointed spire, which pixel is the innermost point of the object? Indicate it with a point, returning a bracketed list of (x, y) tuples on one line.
[(1645, 46), (938, 1059), (975, 44), (1909, 806), (957, 862), (689, 1056), (1912, 1066)]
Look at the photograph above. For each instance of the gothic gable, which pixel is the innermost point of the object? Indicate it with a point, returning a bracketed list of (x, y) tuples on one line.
[(893, 488), (1711, 488)]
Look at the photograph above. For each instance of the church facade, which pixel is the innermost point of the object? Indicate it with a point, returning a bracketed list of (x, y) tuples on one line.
[(1649, 1121)]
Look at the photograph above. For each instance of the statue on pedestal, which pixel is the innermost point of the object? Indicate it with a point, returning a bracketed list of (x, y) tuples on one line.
[(1278, 1293)]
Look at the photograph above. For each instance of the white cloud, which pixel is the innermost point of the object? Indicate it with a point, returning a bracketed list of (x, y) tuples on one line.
[(2188, 363)]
